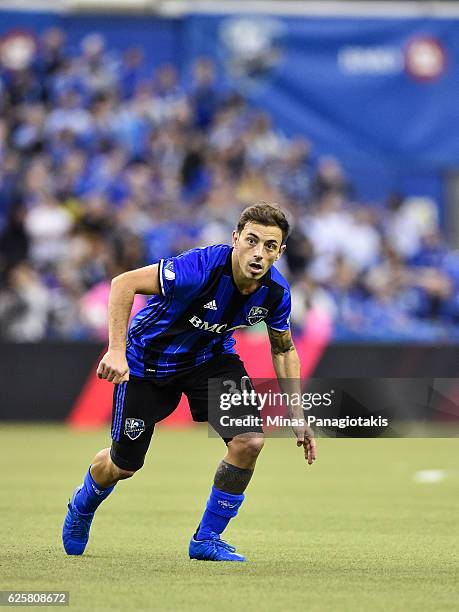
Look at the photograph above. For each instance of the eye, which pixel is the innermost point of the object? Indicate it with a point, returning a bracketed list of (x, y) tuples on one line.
[(251, 240)]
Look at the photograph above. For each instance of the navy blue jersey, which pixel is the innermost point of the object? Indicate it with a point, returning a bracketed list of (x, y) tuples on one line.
[(197, 312)]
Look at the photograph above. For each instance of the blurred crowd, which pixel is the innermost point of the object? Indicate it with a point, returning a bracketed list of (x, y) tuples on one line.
[(107, 166)]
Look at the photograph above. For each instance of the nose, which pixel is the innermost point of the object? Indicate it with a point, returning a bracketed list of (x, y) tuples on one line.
[(259, 251)]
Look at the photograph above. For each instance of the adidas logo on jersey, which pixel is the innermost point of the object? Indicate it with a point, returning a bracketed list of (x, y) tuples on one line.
[(211, 305)]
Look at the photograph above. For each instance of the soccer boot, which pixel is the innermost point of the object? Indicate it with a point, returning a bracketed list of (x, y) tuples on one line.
[(75, 532), (213, 549)]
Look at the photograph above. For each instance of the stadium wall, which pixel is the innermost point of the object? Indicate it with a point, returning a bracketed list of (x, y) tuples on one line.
[(55, 381)]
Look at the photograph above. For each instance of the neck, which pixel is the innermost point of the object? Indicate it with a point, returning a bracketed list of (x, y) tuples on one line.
[(245, 285)]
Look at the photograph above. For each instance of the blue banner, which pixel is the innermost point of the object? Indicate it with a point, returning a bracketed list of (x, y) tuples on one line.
[(384, 90)]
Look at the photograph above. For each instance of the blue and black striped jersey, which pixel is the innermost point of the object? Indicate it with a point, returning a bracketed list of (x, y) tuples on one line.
[(197, 312)]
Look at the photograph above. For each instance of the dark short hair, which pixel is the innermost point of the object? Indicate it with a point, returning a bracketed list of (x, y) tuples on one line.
[(265, 214)]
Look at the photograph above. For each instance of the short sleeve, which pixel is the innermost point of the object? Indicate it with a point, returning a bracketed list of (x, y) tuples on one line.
[(182, 275), (279, 320)]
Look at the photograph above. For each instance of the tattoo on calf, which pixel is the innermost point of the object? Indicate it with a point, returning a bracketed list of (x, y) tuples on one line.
[(231, 479)]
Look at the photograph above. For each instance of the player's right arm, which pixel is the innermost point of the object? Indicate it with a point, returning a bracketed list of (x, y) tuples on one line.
[(113, 366)]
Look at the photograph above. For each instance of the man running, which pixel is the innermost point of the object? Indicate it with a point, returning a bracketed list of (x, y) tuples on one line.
[(181, 340)]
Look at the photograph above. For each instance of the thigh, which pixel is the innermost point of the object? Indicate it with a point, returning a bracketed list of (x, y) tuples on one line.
[(137, 406), (224, 378)]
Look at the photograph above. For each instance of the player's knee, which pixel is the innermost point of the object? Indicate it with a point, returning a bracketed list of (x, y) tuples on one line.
[(123, 474), (254, 446), (125, 462), (248, 446)]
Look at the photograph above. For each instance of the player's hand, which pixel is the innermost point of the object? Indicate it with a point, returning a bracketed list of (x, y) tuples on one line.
[(305, 438), (114, 367)]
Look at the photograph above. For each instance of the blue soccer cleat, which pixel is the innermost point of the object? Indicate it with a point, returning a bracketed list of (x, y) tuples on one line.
[(75, 532), (213, 549)]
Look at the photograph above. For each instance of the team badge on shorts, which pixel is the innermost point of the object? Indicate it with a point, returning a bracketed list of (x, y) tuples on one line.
[(257, 314), (133, 428)]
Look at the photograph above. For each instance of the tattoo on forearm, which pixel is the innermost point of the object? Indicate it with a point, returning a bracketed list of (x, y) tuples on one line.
[(231, 479), (281, 342)]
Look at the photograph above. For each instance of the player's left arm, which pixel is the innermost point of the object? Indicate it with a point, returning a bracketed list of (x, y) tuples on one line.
[(288, 371)]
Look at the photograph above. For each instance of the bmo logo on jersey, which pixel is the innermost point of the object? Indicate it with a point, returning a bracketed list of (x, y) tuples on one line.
[(217, 328)]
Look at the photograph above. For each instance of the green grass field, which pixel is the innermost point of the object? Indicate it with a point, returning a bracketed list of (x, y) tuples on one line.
[(353, 532)]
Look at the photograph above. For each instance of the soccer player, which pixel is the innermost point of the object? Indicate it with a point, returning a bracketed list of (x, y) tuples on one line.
[(180, 340)]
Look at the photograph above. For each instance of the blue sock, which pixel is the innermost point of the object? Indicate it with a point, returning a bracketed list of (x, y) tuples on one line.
[(91, 495), (221, 507)]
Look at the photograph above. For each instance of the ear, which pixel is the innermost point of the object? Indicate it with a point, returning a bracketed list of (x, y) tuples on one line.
[(281, 250), (235, 237)]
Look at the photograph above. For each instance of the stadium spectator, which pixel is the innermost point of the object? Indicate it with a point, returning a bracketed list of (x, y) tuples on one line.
[(47, 225), (204, 97), (105, 164), (24, 305)]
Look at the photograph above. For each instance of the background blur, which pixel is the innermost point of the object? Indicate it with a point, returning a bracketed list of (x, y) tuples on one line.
[(131, 131)]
